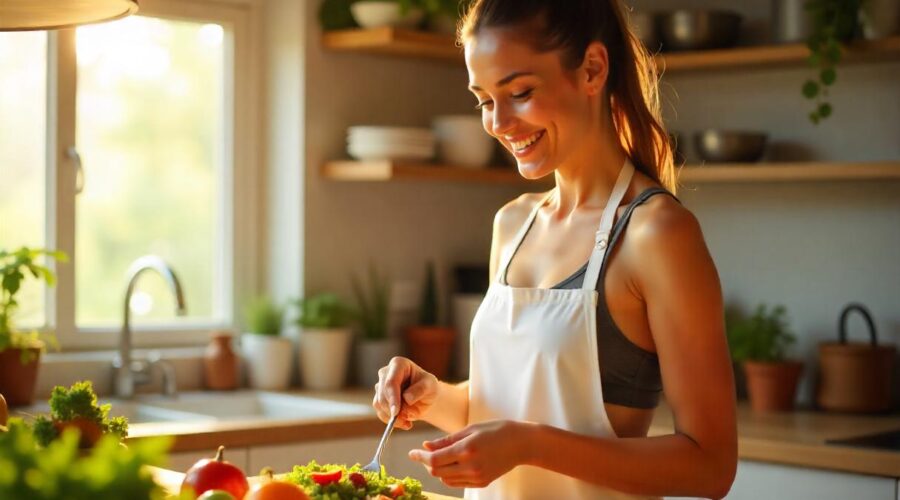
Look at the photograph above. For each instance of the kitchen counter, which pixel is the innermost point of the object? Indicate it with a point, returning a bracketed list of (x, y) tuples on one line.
[(794, 438)]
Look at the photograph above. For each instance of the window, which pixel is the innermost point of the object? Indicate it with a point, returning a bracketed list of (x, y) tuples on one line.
[(149, 103), (23, 151)]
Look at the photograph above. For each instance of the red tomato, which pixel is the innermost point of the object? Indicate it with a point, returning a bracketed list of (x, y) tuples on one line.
[(358, 480), (326, 478), (396, 490), (215, 474)]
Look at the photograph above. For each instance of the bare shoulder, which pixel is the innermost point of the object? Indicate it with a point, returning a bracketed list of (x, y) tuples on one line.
[(512, 215), (663, 236)]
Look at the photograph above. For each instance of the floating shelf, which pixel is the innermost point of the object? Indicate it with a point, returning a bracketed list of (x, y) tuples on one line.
[(369, 171), (411, 43)]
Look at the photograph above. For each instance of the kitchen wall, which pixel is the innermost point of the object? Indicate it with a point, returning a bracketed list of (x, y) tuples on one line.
[(810, 246)]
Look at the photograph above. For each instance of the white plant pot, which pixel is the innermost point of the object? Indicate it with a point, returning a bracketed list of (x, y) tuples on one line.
[(371, 355), (323, 357), (269, 361)]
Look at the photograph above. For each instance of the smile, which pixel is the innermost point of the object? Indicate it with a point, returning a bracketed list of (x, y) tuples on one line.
[(525, 145)]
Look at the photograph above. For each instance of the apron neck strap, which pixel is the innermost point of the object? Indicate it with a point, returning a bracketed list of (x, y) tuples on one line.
[(508, 255), (601, 239)]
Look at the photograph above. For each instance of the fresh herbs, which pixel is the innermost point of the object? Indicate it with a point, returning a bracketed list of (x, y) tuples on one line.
[(263, 316), (109, 471), (344, 488), (78, 404), (324, 310), (15, 266), (764, 336), (373, 305)]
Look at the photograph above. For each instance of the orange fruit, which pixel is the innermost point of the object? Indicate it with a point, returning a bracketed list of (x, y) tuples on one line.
[(276, 490)]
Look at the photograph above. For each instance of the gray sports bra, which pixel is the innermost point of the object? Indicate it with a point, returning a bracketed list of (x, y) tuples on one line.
[(629, 375)]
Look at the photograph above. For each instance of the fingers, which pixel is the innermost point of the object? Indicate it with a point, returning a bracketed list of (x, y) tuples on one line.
[(437, 444), (417, 391), (397, 372), (440, 457)]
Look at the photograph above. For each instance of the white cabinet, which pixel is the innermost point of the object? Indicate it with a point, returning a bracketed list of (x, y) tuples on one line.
[(756, 480), (183, 460)]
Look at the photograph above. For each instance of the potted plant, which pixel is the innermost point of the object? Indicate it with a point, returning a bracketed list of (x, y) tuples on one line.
[(20, 352), (375, 347), (324, 341), (759, 343), (429, 344), (268, 355)]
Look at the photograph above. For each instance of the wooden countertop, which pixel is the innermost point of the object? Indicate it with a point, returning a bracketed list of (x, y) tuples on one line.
[(793, 438)]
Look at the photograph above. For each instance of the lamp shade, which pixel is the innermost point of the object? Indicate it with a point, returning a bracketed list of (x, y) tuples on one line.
[(26, 15)]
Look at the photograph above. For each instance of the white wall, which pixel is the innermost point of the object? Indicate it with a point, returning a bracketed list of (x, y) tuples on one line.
[(812, 247)]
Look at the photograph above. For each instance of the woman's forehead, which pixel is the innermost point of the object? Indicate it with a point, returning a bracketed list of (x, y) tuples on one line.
[(493, 53)]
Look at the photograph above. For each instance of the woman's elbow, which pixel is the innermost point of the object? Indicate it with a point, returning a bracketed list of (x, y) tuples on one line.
[(724, 470)]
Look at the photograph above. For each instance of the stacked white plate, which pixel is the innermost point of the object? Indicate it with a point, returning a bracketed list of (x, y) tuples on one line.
[(369, 142)]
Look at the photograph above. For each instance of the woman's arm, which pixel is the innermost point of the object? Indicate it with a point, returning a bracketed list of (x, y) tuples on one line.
[(676, 278), (450, 411)]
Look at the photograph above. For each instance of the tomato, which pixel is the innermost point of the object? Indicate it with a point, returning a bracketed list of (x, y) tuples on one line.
[(357, 480), (276, 490), (216, 474), (396, 490), (216, 495), (270, 489), (326, 478)]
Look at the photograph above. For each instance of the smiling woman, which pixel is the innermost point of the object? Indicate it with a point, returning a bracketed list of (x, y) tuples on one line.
[(603, 291)]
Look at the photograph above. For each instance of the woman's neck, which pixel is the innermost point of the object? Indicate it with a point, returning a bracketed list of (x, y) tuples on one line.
[(586, 179)]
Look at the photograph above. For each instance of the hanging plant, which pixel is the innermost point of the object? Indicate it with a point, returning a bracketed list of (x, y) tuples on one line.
[(834, 22)]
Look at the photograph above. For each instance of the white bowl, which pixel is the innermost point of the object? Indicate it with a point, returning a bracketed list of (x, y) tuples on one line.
[(374, 14), (376, 151), (462, 141), (384, 133)]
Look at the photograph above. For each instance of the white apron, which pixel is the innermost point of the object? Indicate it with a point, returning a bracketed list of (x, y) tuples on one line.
[(534, 358)]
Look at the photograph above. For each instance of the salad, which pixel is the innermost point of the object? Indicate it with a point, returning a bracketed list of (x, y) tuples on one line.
[(339, 482)]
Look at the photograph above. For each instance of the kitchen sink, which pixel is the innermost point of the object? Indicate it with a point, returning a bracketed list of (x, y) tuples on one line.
[(200, 407), (243, 405), (136, 413), (889, 440)]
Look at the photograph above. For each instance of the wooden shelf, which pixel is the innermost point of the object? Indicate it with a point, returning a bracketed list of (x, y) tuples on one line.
[(790, 172), (386, 170), (396, 42), (773, 55), (374, 171), (411, 43)]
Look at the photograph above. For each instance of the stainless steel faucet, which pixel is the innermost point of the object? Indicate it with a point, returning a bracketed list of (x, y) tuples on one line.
[(128, 372)]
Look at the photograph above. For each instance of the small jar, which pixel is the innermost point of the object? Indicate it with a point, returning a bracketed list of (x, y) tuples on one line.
[(220, 363)]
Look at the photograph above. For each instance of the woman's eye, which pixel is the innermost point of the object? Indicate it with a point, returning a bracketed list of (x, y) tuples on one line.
[(523, 95)]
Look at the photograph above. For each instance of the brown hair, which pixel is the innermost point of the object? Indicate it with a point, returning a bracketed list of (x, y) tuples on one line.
[(632, 83)]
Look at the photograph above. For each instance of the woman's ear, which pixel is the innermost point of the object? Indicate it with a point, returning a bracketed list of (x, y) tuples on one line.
[(595, 68)]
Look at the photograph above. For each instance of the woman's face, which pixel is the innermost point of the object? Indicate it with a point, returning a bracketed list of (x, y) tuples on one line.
[(528, 101)]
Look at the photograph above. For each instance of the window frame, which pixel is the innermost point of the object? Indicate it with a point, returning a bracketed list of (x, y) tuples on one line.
[(240, 186)]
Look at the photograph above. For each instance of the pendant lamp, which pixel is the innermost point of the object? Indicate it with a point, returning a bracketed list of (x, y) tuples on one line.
[(29, 15)]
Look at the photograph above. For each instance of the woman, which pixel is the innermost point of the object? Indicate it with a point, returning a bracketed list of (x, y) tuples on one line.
[(567, 358)]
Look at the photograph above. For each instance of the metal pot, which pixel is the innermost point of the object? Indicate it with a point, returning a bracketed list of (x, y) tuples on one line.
[(791, 22), (699, 29), (723, 146)]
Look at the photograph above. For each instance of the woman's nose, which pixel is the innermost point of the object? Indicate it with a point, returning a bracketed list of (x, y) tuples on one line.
[(502, 120)]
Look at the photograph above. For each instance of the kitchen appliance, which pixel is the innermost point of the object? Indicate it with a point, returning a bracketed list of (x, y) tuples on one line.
[(855, 376)]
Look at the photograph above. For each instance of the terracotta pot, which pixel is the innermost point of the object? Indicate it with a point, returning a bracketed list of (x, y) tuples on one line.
[(17, 380), (772, 386), (430, 347), (220, 363)]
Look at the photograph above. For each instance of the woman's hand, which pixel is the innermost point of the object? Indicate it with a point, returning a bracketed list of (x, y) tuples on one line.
[(476, 455), (419, 396)]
